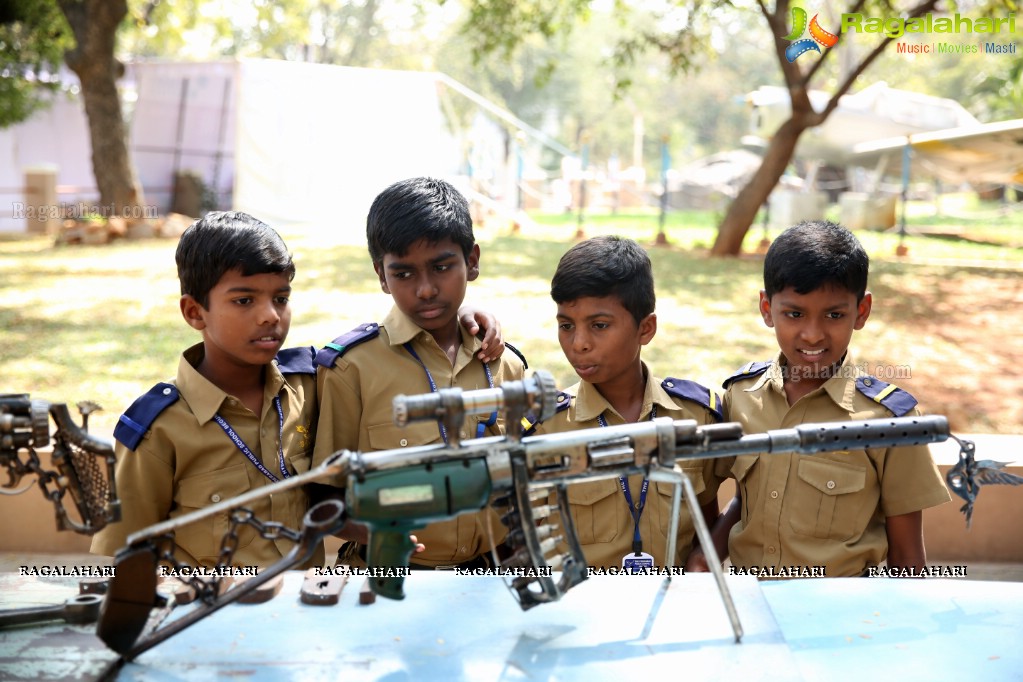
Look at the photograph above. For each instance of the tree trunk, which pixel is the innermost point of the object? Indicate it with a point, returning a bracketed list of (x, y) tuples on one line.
[(743, 209), (94, 24)]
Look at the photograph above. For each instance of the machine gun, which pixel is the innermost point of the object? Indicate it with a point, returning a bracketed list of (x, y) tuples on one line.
[(396, 491), (84, 463)]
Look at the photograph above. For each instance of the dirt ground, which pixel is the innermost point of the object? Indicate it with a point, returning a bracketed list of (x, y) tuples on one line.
[(965, 331)]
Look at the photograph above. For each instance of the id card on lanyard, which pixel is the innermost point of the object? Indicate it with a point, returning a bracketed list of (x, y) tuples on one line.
[(637, 559)]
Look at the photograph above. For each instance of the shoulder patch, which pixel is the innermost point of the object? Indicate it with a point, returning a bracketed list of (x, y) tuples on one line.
[(897, 401), (136, 420), (513, 349), (752, 369), (328, 355), (698, 393), (297, 360), (529, 421)]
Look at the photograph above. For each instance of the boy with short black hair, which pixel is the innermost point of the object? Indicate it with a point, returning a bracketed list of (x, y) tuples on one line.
[(604, 288), (420, 238), (846, 511), (241, 412)]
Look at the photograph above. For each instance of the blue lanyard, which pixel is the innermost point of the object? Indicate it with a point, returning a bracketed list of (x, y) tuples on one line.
[(623, 483), (481, 426), (240, 444)]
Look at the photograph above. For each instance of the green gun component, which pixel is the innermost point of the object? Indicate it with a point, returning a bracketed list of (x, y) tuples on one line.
[(395, 502)]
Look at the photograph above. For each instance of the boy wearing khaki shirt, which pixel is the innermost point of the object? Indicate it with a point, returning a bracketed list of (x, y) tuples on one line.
[(844, 511), (424, 253), (604, 289), (175, 448)]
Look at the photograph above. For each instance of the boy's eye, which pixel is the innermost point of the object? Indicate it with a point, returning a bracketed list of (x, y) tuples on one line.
[(565, 326), (794, 314), (282, 300), (835, 316), (243, 300), (601, 325), (442, 267), (404, 274)]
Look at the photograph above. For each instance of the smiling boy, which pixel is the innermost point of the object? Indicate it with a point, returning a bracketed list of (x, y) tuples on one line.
[(604, 289), (424, 253), (846, 511), (241, 412)]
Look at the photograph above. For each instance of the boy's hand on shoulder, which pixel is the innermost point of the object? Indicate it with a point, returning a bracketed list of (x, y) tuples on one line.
[(475, 321)]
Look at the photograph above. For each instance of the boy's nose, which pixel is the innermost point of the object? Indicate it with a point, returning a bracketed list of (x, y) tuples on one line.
[(268, 314), (425, 289), (580, 342), (812, 332)]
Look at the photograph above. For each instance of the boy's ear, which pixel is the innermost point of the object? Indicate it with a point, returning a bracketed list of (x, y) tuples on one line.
[(193, 312), (647, 329), (863, 310), (379, 268), (765, 309), (473, 264)]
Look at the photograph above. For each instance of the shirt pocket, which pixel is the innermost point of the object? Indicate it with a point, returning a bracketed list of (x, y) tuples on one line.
[(202, 539), (597, 510), (829, 498), (391, 437), (666, 490)]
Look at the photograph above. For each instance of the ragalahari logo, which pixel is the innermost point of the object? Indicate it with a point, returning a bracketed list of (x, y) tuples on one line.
[(818, 36)]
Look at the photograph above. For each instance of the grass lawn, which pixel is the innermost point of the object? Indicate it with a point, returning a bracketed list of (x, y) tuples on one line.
[(102, 322)]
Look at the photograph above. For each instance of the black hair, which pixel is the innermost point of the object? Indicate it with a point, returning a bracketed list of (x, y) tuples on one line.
[(815, 254), (415, 209), (228, 240), (607, 266)]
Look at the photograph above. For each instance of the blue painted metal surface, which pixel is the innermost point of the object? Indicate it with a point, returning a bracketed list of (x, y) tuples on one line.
[(454, 627)]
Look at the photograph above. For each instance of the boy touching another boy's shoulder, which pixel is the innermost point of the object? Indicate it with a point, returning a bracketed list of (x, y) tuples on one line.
[(240, 413), (846, 511), (604, 289), (421, 242)]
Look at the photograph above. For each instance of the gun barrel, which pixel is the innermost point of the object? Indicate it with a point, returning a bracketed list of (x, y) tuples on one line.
[(828, 437)]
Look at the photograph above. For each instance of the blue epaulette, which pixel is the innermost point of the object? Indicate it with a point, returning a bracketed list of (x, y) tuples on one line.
[(530, 421), (136, 420), (752, 369), (328, 355), (297, 360), (891, 396), (513, 349), (698, 393)]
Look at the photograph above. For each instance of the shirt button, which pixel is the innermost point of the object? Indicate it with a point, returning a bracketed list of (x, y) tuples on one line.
[(167, 391), (867, 382), (831, 485), (461, 434), (669, 384), (262, 432), (774, 494), (770, 550), (214, 498), (403, 442)]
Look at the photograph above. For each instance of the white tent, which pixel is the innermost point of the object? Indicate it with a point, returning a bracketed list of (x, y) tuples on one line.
[(296, 144)]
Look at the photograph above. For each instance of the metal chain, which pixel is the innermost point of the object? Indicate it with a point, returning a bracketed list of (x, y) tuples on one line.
[(207, 590)]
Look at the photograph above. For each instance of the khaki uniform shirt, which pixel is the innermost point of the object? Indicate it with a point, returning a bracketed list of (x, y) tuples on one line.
[(827, 509), (603, 522), (186, 462), (356, 413)]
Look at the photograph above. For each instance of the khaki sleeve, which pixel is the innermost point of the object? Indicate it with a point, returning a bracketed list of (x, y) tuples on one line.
[(910, 480), (145, 486), (340, 418)]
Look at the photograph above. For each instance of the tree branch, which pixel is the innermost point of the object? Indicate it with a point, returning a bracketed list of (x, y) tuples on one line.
[(866, 62)]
